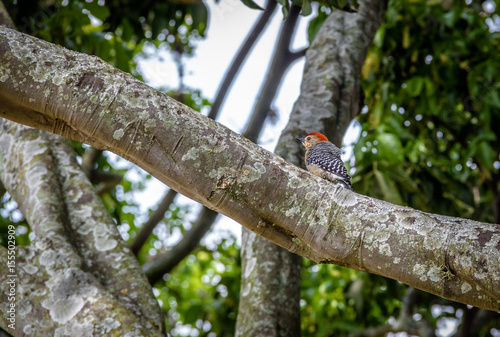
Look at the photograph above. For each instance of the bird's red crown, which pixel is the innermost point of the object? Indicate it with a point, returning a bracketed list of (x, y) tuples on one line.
[(320, 136)]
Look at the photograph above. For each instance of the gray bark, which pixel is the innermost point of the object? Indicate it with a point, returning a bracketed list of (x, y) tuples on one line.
[(83, 98), (63, 288)]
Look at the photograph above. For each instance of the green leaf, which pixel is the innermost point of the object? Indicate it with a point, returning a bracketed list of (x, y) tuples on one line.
[(100, 12), (390, 147), (375, 115), (387, 187), (341, 3), (494, 99), (251, 4), (486, 155), (315, 24), (128, 30), (122, 57), (199, 13), (306, 8), (430, 89), (192, 314), (415, 85)]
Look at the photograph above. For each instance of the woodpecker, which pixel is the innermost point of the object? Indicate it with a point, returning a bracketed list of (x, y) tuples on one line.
[(323, 159)]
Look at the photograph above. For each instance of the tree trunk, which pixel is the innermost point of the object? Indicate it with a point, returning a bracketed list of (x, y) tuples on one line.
[(77, 278)]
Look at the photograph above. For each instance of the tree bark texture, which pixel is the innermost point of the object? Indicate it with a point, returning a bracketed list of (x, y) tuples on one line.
[(331, 88), (77, 278), (81, 97)]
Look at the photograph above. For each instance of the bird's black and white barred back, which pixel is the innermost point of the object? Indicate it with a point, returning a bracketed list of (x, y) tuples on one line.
[(323, 159), (327, 157)]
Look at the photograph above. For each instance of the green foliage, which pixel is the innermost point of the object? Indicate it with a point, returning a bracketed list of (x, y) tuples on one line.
[(114, 31), (432, 107), (340, 300), (201, 294), (430, 140), (316, 23), (251, 4)]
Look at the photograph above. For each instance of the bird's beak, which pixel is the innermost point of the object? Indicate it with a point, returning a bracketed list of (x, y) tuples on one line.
[(300, 139)]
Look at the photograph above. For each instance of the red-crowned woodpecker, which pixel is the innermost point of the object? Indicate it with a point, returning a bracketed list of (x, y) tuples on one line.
[(323, 159)]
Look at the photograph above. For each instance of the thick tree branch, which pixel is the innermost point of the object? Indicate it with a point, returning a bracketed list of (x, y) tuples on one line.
[(60, 281), (82, 97), (76, 286)]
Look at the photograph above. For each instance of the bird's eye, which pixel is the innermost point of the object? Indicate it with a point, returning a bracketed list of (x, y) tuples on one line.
[(308, 138)]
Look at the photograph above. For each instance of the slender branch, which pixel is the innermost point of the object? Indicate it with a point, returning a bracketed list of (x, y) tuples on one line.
[(281, 60), (256, 31), (2, 188), (89, 159), (5, 19), (483, 318), (295, 55), (468, 318), (166, 262), (153, 220)]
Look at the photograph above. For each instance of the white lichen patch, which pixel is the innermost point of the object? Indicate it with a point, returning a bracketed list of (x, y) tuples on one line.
[(74, 328), (293, 211), (65, 309), (30, 269), (419, 270), (310, 195), (385, 249), (57, 79), (250, 266), (105, 243), (297, 182), (118, 134), (149, 124), (247, 289), (48, 258), (191, 154), (349, 199), (297, 241), (466, 287), (218, 173), (84, 211), (4, 73), (68, 292), (110, 324), (249, 173), (435, 274)]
